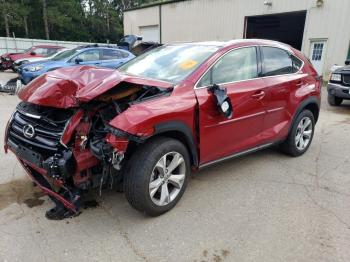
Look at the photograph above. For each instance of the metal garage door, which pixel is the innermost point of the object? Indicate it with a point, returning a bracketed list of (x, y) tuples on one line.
[(150, 33)]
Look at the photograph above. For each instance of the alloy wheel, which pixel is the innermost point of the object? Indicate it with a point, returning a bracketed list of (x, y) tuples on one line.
[(304, 133), (167, 178)]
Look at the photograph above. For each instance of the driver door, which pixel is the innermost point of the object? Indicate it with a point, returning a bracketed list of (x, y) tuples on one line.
[(237, 71)]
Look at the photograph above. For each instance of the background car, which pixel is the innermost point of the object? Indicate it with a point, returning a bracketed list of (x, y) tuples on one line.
[(339, 86), (87, 55), (147, 124), (22, 61), (7, 59)]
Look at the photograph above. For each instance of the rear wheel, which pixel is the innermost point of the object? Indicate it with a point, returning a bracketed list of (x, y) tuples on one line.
[(300, 135), (334, 101), (157, 176)]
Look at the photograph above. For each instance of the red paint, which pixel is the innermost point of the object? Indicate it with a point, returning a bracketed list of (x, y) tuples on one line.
[(83, 84), (15, 56), (70, 128), (263, 108), (120, 143), (84, 159)]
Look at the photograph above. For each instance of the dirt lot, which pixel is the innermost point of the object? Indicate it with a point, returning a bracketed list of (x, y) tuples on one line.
[(263, 207)]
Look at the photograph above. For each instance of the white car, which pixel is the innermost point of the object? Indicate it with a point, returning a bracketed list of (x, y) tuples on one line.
[(22, 61)]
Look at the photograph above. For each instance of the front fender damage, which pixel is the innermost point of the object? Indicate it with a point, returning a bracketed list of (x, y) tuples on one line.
[(92, 149)]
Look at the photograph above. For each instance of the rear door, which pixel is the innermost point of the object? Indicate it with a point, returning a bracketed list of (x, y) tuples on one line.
[(113, 58), (237, 71), (89, 57), (282, 79)]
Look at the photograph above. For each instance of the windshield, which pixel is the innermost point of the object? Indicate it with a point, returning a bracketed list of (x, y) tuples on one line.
[(171, 63), (65, 54)]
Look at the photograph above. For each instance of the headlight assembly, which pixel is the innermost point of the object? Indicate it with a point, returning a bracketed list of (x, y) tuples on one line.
[(336, 77), (35, 68)]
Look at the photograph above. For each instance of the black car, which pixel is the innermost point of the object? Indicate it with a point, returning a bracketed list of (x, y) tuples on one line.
[(339, 86)]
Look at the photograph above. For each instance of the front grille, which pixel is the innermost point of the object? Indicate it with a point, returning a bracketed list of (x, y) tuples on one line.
[(47, 133), (346, 79)]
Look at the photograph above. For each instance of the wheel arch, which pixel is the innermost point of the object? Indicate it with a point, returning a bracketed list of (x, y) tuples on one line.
[(311, 103), (180, 131)]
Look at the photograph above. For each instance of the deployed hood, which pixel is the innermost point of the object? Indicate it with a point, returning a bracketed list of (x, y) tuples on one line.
[(69, 87)]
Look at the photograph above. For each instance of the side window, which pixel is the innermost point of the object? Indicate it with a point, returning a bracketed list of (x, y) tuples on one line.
[(279, 62), (108, 54), (90, 55), (52, 51), (41, 51), (237, 65)]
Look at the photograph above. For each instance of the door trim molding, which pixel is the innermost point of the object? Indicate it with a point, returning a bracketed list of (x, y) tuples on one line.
[(235, 155)]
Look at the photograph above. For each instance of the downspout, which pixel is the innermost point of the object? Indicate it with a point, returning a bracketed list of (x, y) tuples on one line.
[(160, 23)]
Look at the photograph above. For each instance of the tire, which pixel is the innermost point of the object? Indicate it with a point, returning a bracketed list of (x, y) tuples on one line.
[(142, 170), (334, 101), (292, 145)]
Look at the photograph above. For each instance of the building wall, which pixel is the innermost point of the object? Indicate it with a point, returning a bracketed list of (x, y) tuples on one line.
[(201, 20)]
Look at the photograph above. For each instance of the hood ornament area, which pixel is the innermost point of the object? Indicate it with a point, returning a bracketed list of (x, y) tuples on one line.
[(28, 131)]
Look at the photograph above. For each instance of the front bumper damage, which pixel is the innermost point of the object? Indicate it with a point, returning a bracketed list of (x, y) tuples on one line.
[(68, 172)]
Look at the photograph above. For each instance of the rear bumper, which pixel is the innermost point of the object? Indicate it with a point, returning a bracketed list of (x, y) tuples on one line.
[(339, 90)]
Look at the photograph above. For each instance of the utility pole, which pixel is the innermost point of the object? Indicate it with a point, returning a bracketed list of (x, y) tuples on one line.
[(46, 23)]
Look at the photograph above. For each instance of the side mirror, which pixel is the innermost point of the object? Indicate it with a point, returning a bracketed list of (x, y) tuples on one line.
[(78, 60), (347, 62), (32, 53), (222, 100)]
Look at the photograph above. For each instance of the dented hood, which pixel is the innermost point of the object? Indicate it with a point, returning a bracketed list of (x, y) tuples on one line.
[(69, 87)]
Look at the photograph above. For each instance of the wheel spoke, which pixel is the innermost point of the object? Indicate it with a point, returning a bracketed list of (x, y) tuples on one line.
[(307, 134), (307, 122), (164, 195), (161, 165), (176, 180), (177, 160), (301, 142), (154, 186)]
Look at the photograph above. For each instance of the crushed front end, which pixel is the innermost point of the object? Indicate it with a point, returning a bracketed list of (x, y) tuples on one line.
[(67, 151)]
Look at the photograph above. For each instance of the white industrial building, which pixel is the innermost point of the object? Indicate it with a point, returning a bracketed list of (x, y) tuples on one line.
[(319, 28)]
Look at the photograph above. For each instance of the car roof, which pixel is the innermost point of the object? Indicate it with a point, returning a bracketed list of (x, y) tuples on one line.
[(238, 43)]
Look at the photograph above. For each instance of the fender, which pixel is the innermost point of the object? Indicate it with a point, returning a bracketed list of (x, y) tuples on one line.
[(312, 100), (181, 127)]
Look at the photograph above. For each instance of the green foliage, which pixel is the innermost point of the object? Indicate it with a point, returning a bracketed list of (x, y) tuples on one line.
[(70, 20)]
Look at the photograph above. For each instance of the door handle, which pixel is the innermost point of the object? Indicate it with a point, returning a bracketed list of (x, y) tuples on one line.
[(258, 95)]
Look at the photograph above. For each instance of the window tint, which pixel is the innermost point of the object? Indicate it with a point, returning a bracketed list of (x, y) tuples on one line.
[(237, 65), (90, 55), (278, 62), (108, 54), (41, 51)]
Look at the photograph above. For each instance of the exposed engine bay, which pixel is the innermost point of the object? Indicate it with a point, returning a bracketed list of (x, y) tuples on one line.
[(69, 151)]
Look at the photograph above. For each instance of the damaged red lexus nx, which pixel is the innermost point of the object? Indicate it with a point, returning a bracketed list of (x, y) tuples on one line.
[(147, 125)]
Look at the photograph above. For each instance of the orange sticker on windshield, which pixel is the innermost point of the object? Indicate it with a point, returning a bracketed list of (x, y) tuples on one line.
[(188, 64)]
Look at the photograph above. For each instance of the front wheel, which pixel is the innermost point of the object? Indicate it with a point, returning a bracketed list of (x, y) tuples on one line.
[(157, 176), (334, 101), (300, 135)]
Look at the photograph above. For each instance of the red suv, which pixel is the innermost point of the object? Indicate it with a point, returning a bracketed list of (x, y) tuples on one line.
[(7, 59), (145, 126)]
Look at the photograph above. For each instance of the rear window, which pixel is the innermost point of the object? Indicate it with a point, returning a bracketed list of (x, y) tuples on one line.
[(109, 54), (279, 62)]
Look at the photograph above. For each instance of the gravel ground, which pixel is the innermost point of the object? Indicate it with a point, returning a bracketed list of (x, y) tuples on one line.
[(263, 207)]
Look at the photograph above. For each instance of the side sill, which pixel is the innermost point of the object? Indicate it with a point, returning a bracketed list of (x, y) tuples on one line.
[(239, 154)]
